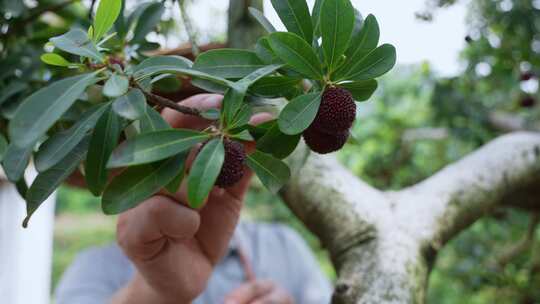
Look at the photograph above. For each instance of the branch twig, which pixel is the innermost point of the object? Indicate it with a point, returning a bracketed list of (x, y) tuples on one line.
[(501, 260), (164, 102)]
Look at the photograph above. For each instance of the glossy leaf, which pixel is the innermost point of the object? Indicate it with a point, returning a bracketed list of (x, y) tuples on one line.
[(54, 149), (272, 172), (361, 45), (250, 79), (151, 67), (316, 18), (243, 136), (204, 172), (46, 182), (361, 90), (287, 143), (15, 162), (228, 63), (152, 121), (3, 146), (232, 102), (273, 86), (211, 114), (295, 16), (160, 64), (299, 113), (337, 23), (106, 14), (154, 146), (76, 42), (375, 64), (131, 106), (103, 141), (55, 59), (261, 18), (296, 53), (136, 184), (174, 185), (116, 86), (42, 109), (147, 21)]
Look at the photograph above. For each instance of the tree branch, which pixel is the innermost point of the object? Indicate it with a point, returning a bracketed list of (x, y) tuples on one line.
[(167, 103), (461, 193)]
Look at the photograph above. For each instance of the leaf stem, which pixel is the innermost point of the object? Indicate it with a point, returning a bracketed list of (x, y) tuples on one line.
[(167, 103)]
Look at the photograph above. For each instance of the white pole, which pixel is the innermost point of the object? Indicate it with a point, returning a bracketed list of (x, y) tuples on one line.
[(25, 254)]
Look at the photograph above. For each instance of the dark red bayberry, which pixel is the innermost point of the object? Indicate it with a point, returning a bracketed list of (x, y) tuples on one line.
[(337, 111), (233, 165), (324, 143)]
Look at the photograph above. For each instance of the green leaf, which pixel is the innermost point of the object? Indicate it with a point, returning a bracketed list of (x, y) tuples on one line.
[(42, 109), (362, 43), (265, 23), (274, 86), (375, 64), (131, 106), (46, 182), (136, 184), (361, 90), (250, 79), (160, 64), (204, 172), (152, 121), (76, 42), (272, 172), (102, 143), (211, 114), (15, 161), (228, 63), (295, 16), (296, 53), (243, 135), (316, 18), (54, 149), (106, 14), (147, 21), (209, 86), (174, 185), (264, 51), (12, 89), (55, 59), (154, 146), (287, 143), (299, 113), (3, 146), (116, 85), (337, 23), (152, 66), (241, 118), (232, 102)]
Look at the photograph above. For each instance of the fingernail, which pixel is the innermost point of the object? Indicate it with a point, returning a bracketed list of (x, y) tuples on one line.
[(212, 101)]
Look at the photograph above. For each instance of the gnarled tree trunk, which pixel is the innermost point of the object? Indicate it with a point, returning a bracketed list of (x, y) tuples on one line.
[(383, 244)]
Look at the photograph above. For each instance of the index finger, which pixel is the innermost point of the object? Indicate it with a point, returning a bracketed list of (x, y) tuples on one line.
[(201, 102)]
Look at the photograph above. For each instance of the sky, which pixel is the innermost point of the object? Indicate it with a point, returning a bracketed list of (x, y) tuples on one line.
[(438, 42)]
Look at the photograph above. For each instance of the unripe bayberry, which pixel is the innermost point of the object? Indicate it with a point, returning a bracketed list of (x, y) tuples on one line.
[(233, 165), (324, 143), (337, 111)]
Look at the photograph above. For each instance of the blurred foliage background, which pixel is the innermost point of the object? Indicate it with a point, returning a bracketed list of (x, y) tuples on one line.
[(416, 124)]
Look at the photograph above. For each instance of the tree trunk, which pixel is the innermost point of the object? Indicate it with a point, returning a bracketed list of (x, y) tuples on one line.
[(383, 244), (243, 30)]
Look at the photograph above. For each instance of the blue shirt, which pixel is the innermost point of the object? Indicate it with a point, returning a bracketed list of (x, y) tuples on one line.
[(275, 252)]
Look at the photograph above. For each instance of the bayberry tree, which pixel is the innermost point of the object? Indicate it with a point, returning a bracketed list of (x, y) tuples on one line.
[(103, 121)]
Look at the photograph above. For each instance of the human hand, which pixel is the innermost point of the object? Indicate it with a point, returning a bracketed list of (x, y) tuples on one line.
[(259, 292), (174, 247)]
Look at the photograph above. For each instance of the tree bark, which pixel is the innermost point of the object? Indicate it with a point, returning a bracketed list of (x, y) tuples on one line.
[(383, 244), (243, 30)]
